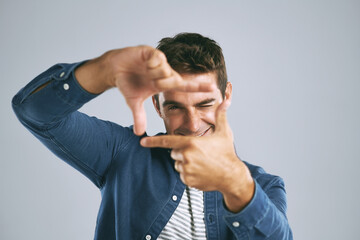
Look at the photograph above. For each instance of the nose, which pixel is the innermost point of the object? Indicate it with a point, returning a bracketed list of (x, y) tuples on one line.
[(192, 121)]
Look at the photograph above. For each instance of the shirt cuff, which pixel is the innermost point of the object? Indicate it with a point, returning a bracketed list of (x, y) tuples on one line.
[(62, 95), (68, 88), (252, 215)]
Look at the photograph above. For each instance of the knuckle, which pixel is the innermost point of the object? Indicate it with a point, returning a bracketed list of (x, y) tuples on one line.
[(163, 71), (178, 81), (186, 155), (160, 54), (185, 179), (166, 71), (192, 141), (164, 142), (187, 169), (157, 84)]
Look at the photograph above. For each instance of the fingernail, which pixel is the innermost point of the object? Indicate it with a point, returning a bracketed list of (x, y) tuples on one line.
[(137, 132), (143, 142)]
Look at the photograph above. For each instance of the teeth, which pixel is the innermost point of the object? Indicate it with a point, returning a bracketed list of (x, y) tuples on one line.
[(203, 133)]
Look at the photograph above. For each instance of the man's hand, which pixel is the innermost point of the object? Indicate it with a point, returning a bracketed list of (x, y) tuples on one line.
[(210, 163), (138, 72)]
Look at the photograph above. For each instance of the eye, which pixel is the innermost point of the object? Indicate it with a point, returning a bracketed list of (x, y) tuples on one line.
[(173, 107), (206, 106)]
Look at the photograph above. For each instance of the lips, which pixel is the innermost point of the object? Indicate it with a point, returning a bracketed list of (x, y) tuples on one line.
[(195, 134)]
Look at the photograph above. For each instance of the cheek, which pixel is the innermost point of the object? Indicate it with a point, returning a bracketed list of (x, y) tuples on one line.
[(173, 122), (208, 116)]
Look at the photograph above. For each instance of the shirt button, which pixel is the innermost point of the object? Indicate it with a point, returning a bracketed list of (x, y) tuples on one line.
[(211, 218), (62, 74), (236, 224), (66, 86), (174, 198), (148, 237)]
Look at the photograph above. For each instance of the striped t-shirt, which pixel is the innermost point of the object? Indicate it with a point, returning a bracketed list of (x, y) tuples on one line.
[(187, 222)]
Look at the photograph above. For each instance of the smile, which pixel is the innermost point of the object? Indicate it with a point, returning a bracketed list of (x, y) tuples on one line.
[(202, 134)]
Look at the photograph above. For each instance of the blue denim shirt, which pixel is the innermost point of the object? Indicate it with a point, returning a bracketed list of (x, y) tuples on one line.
[(137, 184)]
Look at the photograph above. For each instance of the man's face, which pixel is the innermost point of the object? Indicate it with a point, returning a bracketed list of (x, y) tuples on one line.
[(191, 113)]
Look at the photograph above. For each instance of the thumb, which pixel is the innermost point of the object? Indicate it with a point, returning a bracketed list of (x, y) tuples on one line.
[(139, 116), (220, 117)]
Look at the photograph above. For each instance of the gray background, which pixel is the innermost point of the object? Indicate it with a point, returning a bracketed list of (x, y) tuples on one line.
[(295, 69)]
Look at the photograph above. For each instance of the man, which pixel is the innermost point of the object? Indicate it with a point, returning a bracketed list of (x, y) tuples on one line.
[(186, 184)]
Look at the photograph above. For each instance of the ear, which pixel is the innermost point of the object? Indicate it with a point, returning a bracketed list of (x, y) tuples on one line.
[(228, 94), (156, 105)]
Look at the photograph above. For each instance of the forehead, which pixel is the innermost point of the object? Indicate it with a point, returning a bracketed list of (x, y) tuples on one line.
[(188, 98)]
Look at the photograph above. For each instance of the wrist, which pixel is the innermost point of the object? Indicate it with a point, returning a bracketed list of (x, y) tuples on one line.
[(239, 189), (93, 75)]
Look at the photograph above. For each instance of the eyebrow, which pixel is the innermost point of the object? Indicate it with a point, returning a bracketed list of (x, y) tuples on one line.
[(204, 102)]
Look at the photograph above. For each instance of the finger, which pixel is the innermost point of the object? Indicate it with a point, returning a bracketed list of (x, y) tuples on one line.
[(139, 116), (157, 58), (178, 166), (165, 141), (177, 155), (160, 72), (182, 178), (221, 118), (176, 82)]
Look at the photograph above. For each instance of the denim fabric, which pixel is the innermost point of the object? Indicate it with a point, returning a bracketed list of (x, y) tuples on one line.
[(137, 184)]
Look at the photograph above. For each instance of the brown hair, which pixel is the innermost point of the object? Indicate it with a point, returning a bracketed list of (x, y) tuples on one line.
[(193, 53)]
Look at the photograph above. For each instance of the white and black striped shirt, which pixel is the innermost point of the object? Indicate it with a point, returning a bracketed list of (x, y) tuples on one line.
[(187, 222)]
